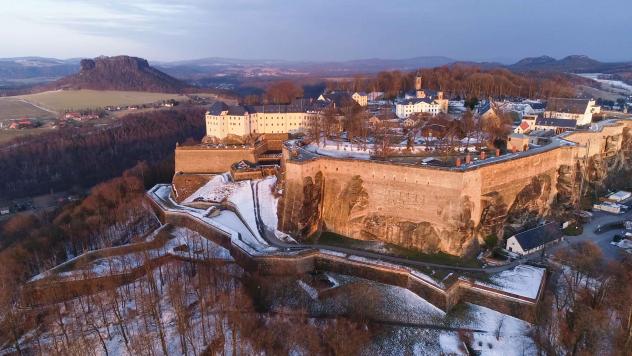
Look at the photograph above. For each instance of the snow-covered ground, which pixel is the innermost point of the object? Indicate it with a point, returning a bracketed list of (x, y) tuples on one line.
[(244, 232), (625, 244), (523, 280), (183, 243), (268, 202), (216, 190), (339, 150), (609, 84), (501, 334)]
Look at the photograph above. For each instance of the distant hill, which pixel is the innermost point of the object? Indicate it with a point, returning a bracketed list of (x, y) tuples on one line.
[(573, 64), (21, 73), (198, 68), (119, 73), (131, 73), (21, 68)]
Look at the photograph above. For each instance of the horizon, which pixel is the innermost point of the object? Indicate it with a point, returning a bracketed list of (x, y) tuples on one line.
[(154, 61), (161, 31)]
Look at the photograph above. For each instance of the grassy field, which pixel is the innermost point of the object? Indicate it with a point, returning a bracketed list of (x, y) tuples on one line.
[(12, 108), (61, 100)]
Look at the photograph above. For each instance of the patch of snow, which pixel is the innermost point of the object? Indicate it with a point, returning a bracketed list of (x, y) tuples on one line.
[(284, 237), (268, 202), (450, 344), (344, 151), (523, 280), (215, 190), (512, 333), (312, 292)]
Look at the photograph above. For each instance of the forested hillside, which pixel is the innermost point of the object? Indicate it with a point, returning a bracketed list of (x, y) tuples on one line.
[(82, 157)]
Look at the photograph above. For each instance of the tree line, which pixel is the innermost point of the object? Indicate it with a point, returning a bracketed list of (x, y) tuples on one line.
[(82, 157), (463, 82), (586, 308)]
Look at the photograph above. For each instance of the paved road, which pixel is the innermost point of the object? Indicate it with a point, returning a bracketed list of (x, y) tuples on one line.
[(602, 240)]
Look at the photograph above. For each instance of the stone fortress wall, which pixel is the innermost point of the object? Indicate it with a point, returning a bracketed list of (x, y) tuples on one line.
[(435, 209), (203, 159)]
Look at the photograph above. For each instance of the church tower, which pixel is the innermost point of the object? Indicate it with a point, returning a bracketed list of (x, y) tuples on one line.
[(419, 92)]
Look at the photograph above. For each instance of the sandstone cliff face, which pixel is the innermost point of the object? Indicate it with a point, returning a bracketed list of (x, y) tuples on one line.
[(348, 208), (435, 210), (299, 208), (531, 203)]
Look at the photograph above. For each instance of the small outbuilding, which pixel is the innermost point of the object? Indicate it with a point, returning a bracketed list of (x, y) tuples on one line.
[(534, 239)]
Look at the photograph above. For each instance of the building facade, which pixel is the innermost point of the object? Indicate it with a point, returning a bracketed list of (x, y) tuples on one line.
[(406, 108), (579, 110), (242, 120), (361, 98)]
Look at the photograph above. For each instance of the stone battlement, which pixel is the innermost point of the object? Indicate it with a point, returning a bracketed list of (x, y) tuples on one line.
[(439, 209)]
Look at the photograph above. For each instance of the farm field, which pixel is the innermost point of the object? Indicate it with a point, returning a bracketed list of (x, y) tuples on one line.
[(12, 108), (62, 100)]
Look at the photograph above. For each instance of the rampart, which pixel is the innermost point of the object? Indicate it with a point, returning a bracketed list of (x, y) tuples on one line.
[(444, 295), (435, 209), (207, 159)]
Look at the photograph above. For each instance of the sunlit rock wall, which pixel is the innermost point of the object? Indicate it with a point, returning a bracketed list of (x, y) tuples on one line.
[(439, 210)]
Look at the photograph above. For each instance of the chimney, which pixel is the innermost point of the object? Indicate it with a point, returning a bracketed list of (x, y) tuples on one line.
[(498, 152), (458, 162), (468, 159), (513, 149), (482, 154)]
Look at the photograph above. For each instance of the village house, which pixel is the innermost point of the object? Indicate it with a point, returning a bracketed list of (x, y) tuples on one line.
[(408, 107), (421, 101), (22, 124), (526, 125), (578, 110), (336, 98), (361, 98), (534, 239), (555, 125), (375, 95)]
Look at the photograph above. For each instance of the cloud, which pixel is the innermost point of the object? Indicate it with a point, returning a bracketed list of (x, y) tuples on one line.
[(123, 19)]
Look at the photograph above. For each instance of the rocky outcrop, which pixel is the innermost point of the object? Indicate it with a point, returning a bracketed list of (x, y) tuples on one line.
[(119, 73), (299, 210), (531, 203), (493, 215)]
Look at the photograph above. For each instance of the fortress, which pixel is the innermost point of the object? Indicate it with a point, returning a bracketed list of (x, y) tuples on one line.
[(450, 210), (431, 209)]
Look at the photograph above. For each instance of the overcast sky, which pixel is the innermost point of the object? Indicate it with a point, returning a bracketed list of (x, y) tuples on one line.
[(502, 30)]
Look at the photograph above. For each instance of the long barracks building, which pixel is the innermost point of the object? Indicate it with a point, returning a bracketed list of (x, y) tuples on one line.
[(223, 120)]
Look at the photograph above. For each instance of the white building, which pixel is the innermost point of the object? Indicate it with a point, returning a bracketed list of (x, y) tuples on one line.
[(407, 107), (526, 125), (375, 95), (361, 98), (579, 110), (223, 120), (535, 239)]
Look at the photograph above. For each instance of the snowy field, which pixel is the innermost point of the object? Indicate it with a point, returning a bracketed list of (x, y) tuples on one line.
[(523, 280), (411, 324), (339, 150), (609, 84), (215, 191)]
